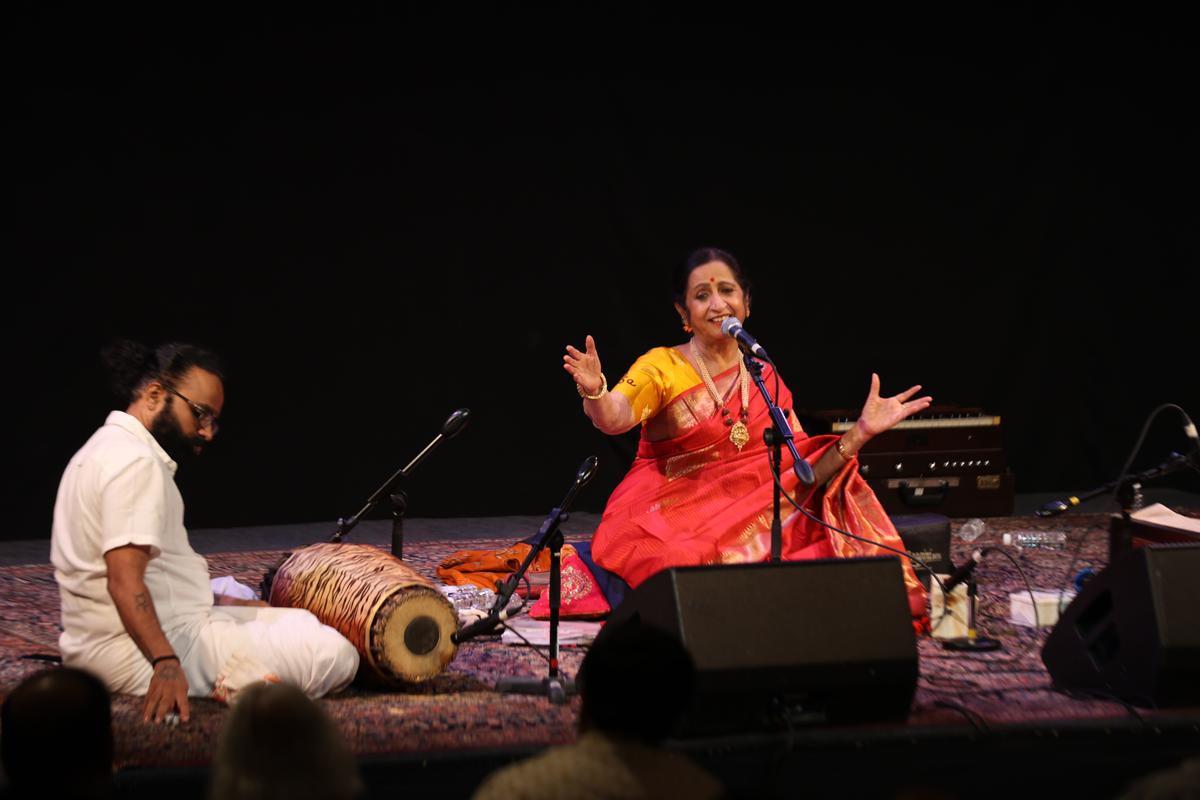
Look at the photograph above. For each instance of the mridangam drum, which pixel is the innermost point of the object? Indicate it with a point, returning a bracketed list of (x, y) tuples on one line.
[(398, 620)]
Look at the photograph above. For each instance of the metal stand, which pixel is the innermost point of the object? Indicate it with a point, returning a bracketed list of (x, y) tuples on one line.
[(972, 642), (1128, 488), (554, 686), (776, 436), (451, 427), (399, 506)]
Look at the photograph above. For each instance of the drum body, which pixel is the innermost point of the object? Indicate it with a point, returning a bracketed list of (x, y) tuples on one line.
[(398, 620)]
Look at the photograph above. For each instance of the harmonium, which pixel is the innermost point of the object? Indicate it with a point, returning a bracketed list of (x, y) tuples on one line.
[(949, 460)]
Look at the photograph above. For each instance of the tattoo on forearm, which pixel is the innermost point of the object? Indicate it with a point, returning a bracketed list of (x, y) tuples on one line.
[(142, 601), (169, 673)]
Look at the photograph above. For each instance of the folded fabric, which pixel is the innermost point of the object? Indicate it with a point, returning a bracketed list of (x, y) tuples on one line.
[(229, 586), (580, 596), (485, 568)]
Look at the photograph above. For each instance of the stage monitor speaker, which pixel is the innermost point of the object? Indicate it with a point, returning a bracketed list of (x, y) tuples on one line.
[(1134, 630), (778, 644)]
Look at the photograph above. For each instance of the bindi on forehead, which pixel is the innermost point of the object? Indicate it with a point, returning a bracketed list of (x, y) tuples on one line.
[(712, 282)]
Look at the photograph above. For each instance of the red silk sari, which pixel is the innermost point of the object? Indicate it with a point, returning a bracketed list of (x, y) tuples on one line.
[(691, 498)]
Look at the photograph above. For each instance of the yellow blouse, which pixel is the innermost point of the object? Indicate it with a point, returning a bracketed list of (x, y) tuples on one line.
[(655, 379)]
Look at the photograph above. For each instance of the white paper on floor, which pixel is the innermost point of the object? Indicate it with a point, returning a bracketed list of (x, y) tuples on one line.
[(537, 631)]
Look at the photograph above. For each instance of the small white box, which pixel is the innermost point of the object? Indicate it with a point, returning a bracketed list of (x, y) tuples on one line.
[(948, 620), (1049, 605)]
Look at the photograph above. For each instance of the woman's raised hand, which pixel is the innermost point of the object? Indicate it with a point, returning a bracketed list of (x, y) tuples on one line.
[(584, 367), (882, 413)]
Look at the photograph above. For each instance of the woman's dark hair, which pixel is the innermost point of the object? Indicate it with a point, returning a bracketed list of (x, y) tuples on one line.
[(700, 257), (51, 713), (132, 365)]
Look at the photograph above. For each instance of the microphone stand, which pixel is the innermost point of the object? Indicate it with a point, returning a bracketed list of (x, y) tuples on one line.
[(1130, 493), (972, 642), (553, 686), (451, 427), (776, 436)]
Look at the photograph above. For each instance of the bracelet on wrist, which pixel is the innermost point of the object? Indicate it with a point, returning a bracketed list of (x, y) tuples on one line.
[(603, 389), (841, 448), (154, 662)]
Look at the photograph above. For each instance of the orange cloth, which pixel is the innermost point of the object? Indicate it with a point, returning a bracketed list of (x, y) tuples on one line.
[(484, 568), (691, 498)]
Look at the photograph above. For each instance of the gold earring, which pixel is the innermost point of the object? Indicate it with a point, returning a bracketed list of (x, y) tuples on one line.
[(686, 328)]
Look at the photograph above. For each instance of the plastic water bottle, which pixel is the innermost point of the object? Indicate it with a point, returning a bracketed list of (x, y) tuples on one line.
[(971, 530), (468, 597), (1037, 540)]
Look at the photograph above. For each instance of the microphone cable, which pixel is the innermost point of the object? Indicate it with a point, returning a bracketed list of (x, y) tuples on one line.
[(933, 575), (1189, 429)]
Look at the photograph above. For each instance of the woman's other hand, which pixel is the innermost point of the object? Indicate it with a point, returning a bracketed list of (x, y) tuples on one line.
[(584, 367), (882, 413)]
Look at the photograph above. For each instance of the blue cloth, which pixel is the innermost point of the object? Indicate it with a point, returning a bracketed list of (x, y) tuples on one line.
[(610, 583)]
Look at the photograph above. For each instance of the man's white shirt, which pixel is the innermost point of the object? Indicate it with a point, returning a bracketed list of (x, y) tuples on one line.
[(119, 489)]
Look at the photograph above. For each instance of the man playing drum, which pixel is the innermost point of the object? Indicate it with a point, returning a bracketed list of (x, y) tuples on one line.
[(137, 606)]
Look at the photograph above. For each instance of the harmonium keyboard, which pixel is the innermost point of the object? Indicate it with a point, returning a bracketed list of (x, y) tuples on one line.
[(949, 460)]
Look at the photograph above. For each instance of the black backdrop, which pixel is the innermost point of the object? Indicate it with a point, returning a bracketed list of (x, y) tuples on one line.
[(382, 217)]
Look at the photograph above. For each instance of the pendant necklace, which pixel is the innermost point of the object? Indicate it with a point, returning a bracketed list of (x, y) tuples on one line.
[(739, 434)]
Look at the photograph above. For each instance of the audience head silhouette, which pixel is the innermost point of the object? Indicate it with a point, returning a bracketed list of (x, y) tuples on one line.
[(277, 743), (56, 736), (636, 681)]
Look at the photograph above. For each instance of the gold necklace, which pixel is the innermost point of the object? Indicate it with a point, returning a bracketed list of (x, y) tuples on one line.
[(739, 434)]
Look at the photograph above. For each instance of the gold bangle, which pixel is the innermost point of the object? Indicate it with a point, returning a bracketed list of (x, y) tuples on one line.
[(842, 451), (603, 389)]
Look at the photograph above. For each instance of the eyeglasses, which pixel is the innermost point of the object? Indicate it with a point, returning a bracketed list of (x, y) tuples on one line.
[(205, 418)]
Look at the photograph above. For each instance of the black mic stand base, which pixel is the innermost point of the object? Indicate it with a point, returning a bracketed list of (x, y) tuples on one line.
[(979, 644), (557, 689)]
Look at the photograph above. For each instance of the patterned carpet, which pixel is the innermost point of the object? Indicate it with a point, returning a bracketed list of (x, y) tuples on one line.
[(459, 711)]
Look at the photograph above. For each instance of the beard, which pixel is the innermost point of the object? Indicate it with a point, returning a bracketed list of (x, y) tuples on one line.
[(171, 438)]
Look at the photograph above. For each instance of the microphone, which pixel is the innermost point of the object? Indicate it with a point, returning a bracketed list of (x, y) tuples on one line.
[(1189, 430), (484, 625), (456, 422), (586, 470), (732, 326), (1056, 507), (964, 572)]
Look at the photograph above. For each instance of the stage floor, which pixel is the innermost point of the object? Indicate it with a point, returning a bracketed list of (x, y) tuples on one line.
[(993, 712)]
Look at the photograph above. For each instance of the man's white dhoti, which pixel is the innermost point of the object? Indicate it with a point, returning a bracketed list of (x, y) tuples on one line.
[(236, 646)]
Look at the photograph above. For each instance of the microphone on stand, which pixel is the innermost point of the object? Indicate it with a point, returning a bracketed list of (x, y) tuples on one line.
[(732, 326), (962, 573), (483, 625), (972, 642)]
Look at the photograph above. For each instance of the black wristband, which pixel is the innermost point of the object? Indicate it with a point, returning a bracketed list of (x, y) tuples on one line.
[(155, 661)]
